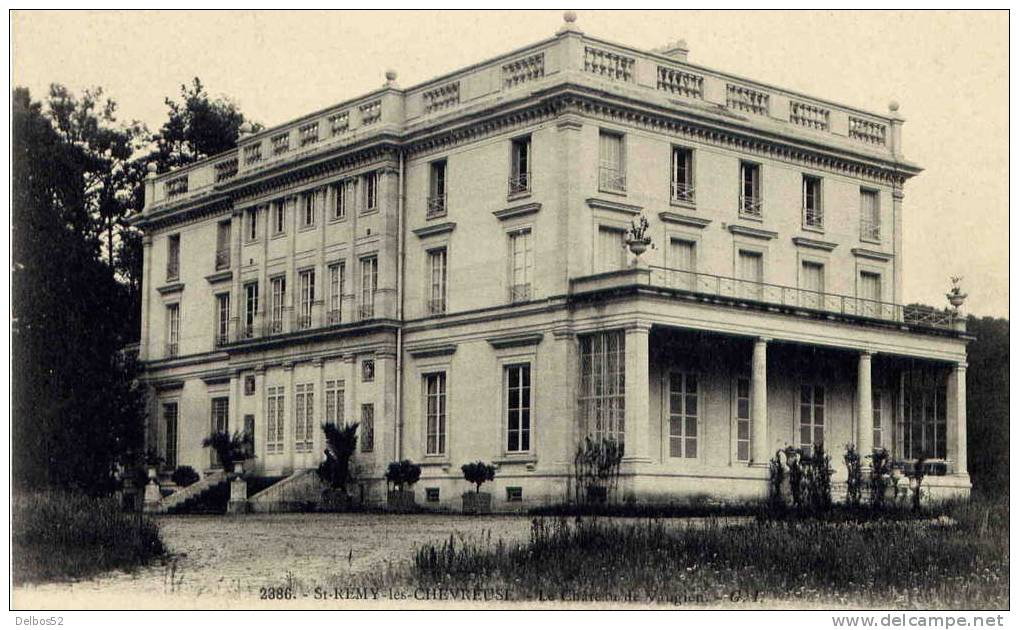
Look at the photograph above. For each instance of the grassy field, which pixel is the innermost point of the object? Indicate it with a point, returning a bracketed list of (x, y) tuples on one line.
[(60, 535), (954, 556)]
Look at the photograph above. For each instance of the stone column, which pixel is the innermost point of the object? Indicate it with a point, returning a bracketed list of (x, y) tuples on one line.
[(236, 297), (318, 411), (261, 427), (864, 408), (759, 402), (562, 359), (897, 196), (143, 344), (385, 405), (956, 418), (289, 415), (637, 394)]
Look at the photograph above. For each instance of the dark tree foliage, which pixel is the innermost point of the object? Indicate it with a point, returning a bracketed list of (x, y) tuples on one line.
[(76, 407), (987, 405)]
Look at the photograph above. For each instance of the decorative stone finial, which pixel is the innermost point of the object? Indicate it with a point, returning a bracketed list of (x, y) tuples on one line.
[(390, 75), (893, 106), (955, 295), (245, 129), (152, 167), (569, 17), (569, 23)]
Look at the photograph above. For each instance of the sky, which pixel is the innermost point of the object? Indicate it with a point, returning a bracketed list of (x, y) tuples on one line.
[(948, 71)]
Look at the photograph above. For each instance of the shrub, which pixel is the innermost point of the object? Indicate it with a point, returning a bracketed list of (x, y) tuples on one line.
[(184, 476), (596, 467), (403, 474), (880, 477), (478, 473), (854, 475), (817, 474), (916, 480), (60, 535), (341, 442), (793, 456), (229, 449), (776, 475)]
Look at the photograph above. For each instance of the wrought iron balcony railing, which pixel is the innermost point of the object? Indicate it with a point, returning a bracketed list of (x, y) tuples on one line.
[(222, 259), (437, 306), (611, 179), (171, 350), (334, 316), (520, 292), (222, 338), (870, 230), (751, 206), (173, 270), (366, 311), (520, 183), (436, 206), (801, 299), (813, 217), (682, 192)]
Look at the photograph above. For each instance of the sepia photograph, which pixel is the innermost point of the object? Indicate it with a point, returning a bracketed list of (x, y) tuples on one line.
[(694, 311)]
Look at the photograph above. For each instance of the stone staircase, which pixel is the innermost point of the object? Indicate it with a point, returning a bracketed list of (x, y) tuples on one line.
[(179, 500), (295, 493)]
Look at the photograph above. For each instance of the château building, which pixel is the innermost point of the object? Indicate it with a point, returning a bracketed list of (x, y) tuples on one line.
[(449, 266)]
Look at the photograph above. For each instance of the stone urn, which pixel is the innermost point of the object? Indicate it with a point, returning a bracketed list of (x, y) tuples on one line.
[(401, 501), (956, 299), (638, 245), (477, 503)]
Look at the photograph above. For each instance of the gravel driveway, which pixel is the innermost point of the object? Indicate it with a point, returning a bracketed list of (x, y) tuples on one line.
[(218, 561)]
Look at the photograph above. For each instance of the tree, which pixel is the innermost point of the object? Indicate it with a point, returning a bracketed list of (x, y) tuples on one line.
[(76, 404), (478, 473), (987, 416), (340, 445)]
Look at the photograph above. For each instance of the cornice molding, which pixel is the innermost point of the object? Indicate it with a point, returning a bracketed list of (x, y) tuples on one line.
[(860, 252), (434, 350), (170, 289), (614, 206), (752, 232), (517, 211), (813, 243), (515, 340), (220, 276), (432, 230), (684, 219)]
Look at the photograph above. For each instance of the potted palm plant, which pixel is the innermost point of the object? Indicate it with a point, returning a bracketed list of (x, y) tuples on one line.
[(638, 239), (477, 502), (401, 476), (335, 469), (231, 450)]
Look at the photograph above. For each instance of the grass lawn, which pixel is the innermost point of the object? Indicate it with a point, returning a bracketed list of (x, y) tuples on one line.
[(61, 535), (953, 556)]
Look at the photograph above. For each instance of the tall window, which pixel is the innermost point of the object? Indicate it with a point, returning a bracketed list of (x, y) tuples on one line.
[(307, 286), (682, 264), (813, 212), (275, 413), (750, 190), (343, 197), (222, 318), (371, 192), (369, 283), (870, 216), (751, 274), (877, 419), (611, 162), (611, 249), (279, 216), (170, 434), (682, 175), (250, 308), (336, 293), (602, 384), (812, 283), (304, 418), (172, 329), (811, 416), (220, 422), (437, 281), (437, 189), (518, 408), (367, 427), (520, 166), (521, 265), (334, 402), (367, 370), (249, 430), (683, 410), (924, 415), (308, 208), (173, 257), (222, 245), (869, 292), (251, 224), (742, 419), (278, 305), (435, 413)]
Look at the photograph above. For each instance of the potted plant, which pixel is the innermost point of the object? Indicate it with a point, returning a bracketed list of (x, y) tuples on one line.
[(477, 502), (638, 239), (152, 462), (231, 451), (335, 469), (401, 476), (955, 295)]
